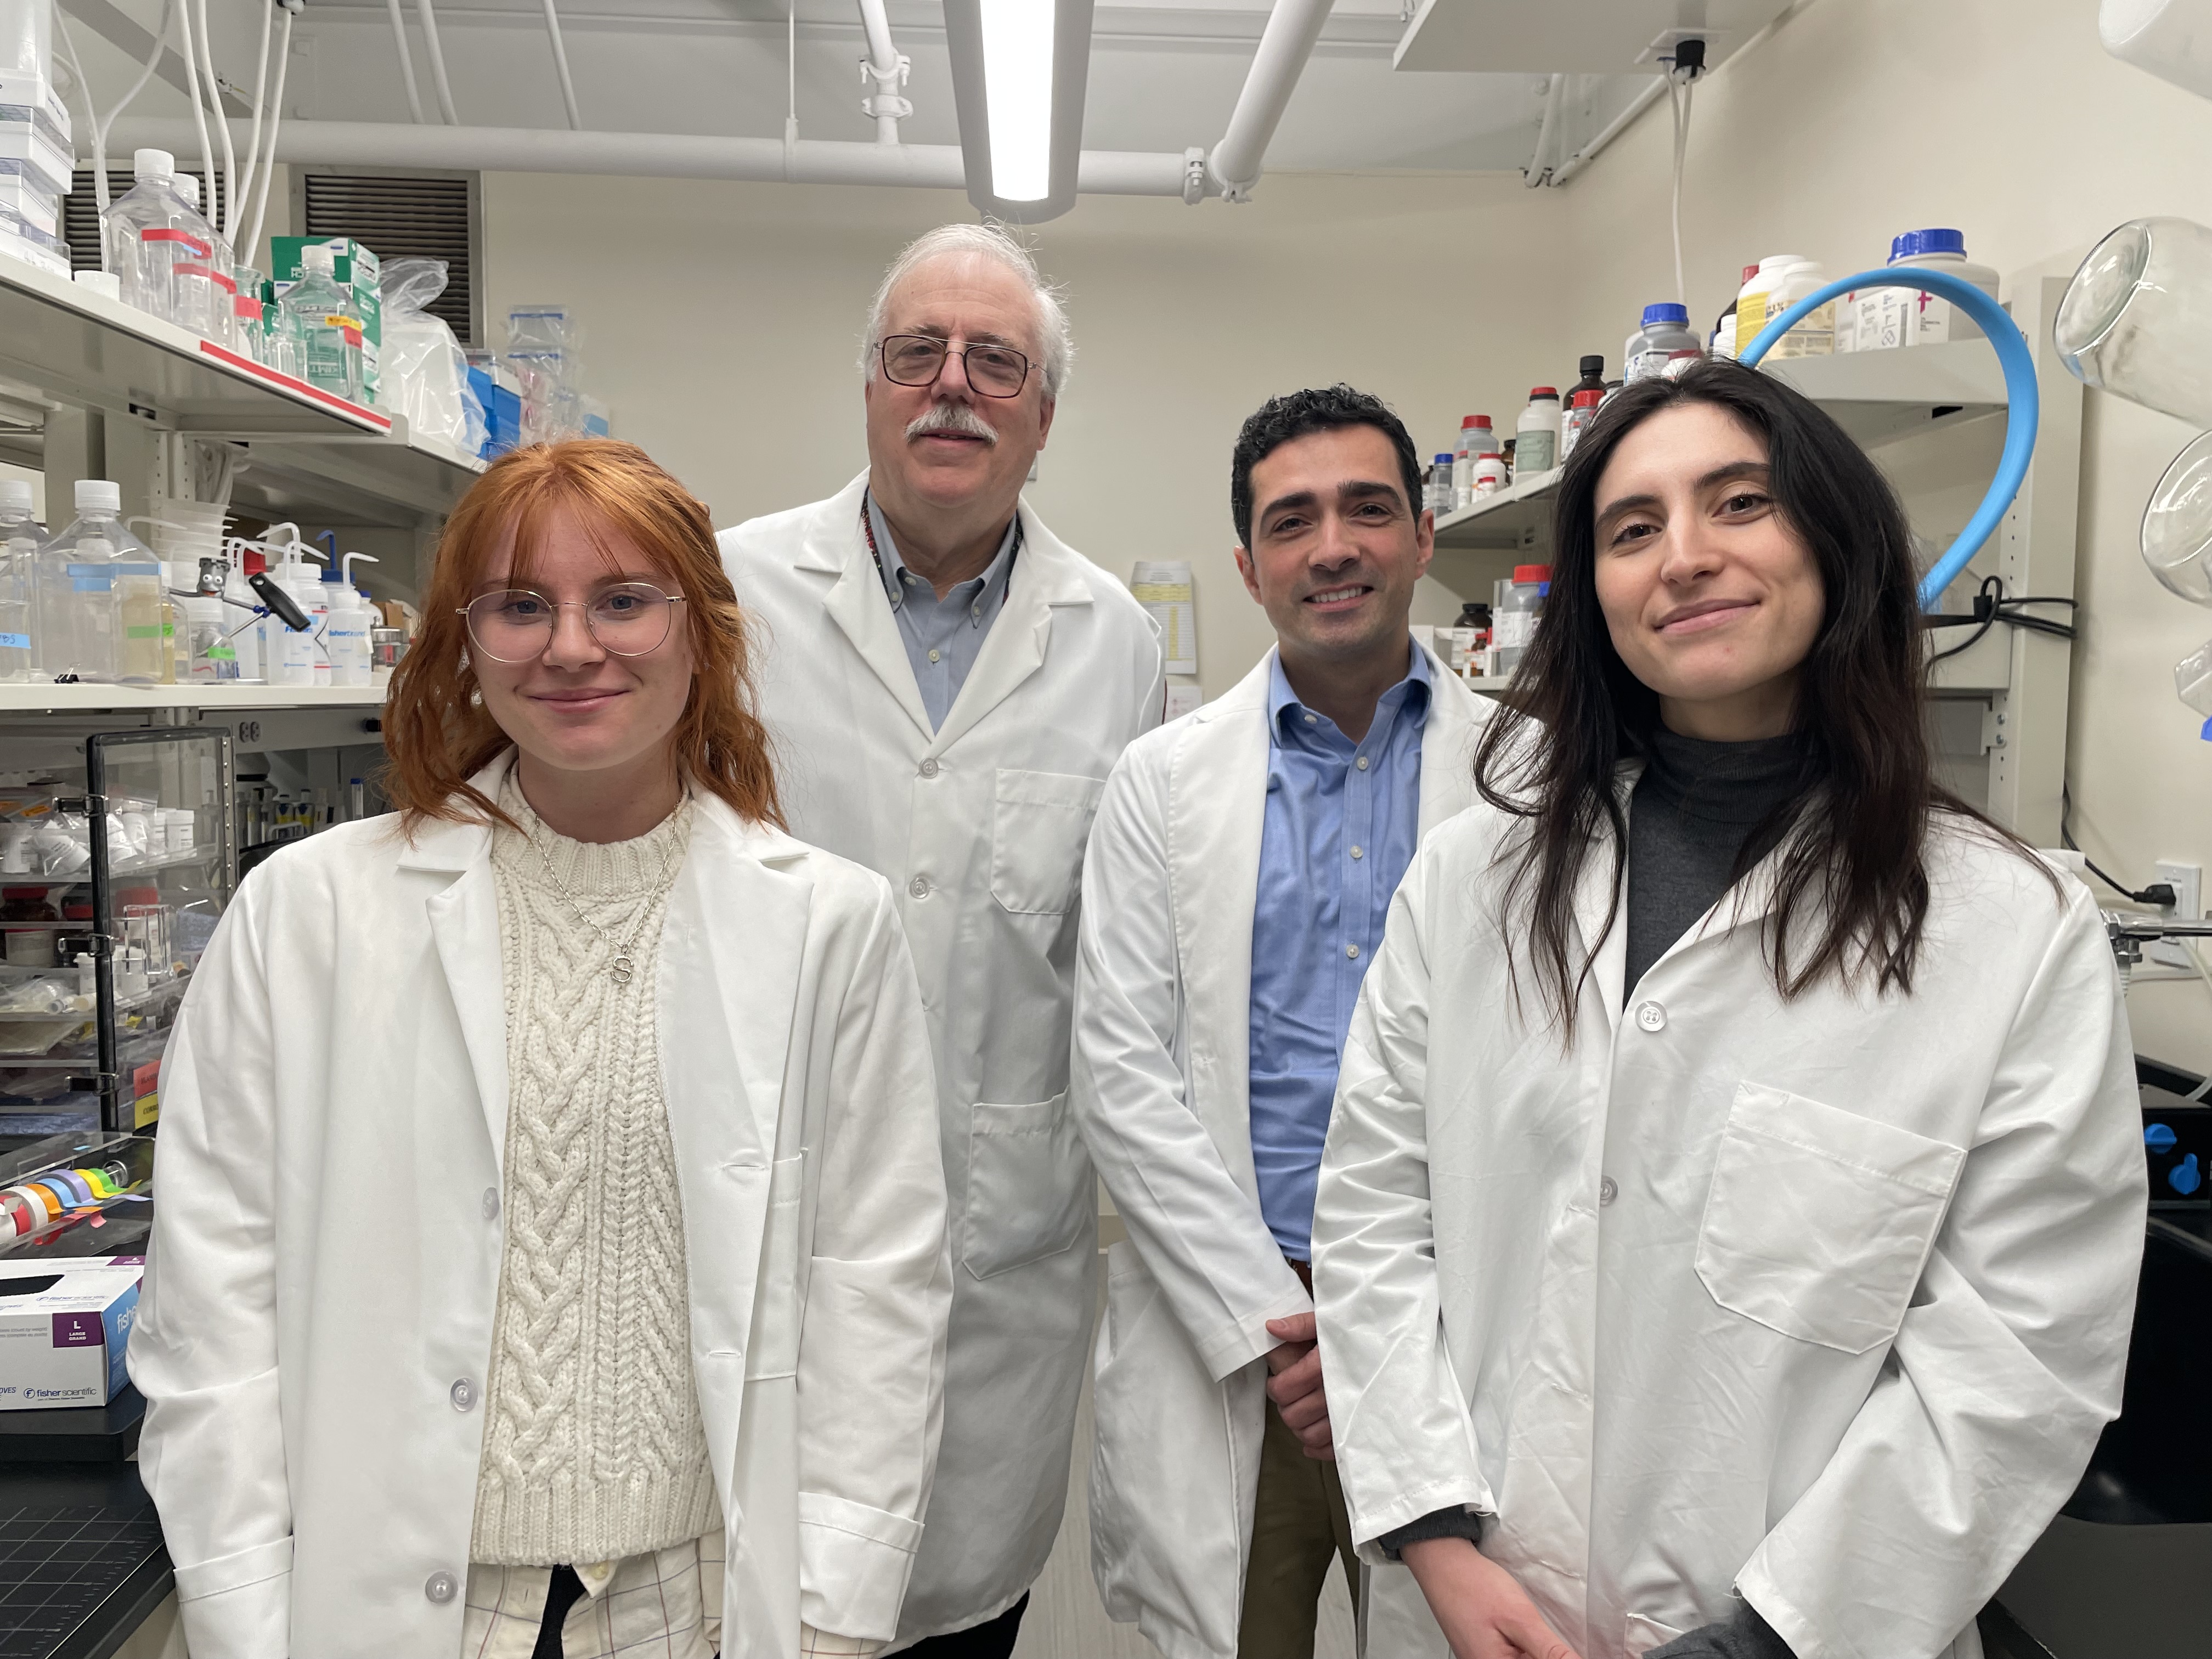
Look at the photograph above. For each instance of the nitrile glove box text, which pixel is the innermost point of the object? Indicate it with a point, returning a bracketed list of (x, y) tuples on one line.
[(63, 1327)]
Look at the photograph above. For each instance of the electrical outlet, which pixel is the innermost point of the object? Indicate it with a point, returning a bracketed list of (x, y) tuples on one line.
[(2187, 881)]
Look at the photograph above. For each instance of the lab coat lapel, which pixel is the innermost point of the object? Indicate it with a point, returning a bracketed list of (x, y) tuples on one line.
[(465, 923), (1014, 648), (1217, 812), (1595, 909), (1448, 745), (732, 952), (857, 602)]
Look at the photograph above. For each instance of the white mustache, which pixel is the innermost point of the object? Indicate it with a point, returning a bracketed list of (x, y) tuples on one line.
[(951, 417)]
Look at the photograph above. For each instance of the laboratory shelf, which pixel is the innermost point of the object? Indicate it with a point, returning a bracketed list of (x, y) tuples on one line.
[(311, 450), (1880, 396), (136, 699)]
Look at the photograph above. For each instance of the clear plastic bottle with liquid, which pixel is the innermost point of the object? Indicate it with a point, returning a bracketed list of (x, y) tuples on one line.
[(19, 553), (75, 627), (318, 317), (204, 287), (149, 228)]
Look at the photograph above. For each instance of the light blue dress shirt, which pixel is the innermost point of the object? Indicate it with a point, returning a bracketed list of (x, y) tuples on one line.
[(943, 636), (1342, 821)]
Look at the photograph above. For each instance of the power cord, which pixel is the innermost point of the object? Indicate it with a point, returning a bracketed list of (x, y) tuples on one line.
[(2158, 896), (1992, 607)]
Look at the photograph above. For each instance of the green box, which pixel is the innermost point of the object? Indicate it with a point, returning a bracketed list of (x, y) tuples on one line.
[(356, 268)]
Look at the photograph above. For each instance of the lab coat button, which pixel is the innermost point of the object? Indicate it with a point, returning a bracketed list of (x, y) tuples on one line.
[(463, 1395), (929, 767), (919, 887), (441, 1588), (491, 1204), (1652, 1016), (1607, 1191)]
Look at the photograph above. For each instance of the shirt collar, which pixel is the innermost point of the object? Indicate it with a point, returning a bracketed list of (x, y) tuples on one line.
[(989, 587), (1411, 695)]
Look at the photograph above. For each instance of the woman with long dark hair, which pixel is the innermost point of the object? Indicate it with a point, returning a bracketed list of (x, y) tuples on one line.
[(1729, 1229)]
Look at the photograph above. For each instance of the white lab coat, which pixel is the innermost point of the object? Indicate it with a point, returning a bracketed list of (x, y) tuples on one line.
[(979, 828), (1826, 1300), (326, 1255), (1163, 1047)]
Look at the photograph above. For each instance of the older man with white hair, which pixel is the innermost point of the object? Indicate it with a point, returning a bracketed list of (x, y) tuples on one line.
[(948, 684)]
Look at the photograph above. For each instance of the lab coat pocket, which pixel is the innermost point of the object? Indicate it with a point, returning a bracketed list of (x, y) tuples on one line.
[(777, 1309), (1818, 1221), (1028, 1186), (1039, 823)]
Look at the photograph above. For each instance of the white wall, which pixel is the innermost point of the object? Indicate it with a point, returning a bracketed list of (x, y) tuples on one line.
[(725, 322), (1855, 119)]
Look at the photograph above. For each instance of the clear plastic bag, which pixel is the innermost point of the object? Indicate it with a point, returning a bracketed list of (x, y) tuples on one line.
[(545, 351), (425, 377)]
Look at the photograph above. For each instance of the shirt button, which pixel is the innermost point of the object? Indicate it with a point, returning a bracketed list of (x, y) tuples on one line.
[(1312, 718), (1652, 1016), (1359, 853), (919, 887), (441, 1588), (1361, 762), (1607, 1192), (463, 1395), (929, 769), (932, 656), (1352, 951), (491, 1204)]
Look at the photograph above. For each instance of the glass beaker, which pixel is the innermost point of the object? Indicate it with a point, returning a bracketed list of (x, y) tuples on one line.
[(2177, 525), (2137, 320)]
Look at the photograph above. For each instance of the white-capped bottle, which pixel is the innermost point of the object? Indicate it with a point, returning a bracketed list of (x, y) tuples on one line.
[(149, 229), (76, 624), (1536, 441)]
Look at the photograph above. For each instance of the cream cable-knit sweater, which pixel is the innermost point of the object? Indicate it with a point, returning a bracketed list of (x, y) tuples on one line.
[(593, 1444)]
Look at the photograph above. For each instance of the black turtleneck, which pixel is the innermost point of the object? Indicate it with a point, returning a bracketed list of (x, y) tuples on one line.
[(1694, 807)]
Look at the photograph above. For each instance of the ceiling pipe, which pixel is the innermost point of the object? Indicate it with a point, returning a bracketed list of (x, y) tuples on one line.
[(656, 156), (1582, 157), (886, 67), (437, 52), (561, 67), (406, 63), (1292, 28)]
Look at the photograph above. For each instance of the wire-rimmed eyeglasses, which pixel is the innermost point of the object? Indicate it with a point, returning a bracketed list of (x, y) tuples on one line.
[(996, 371), (515, 624)]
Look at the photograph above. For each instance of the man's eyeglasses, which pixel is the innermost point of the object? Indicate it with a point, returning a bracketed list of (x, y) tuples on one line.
[(996, 371), (630, 619)]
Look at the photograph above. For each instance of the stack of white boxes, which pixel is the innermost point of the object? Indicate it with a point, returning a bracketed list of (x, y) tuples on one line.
[(35, 156)]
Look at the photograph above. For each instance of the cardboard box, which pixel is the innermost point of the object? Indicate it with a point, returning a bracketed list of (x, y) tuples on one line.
[(357, 269), (64, 1324)]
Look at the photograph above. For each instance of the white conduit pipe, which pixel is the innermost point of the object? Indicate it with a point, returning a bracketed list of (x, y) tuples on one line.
[(655, 156), (199, 111), (230, 207), (1288, 40), (406, 63), (561, 67), (885, 69), (437, 61), (1555, 95), (276, 119), (245, 190), (1619, 123)]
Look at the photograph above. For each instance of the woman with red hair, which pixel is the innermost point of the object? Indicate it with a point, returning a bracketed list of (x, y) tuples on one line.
[(549, 1261)]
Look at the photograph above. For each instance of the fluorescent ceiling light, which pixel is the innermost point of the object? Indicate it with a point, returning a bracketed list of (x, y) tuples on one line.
[(1017, 74)]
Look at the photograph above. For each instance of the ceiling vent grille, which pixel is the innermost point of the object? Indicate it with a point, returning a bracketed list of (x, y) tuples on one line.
[(81, 212), (404, 215)]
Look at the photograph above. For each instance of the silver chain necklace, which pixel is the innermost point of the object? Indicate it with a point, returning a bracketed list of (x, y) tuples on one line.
[(624, 965)]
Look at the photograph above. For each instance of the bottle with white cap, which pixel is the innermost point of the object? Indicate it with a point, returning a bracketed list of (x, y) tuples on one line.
[(149, 227), (319, 316), (76, 626), (350, 620), (19, 551), (204, 285)]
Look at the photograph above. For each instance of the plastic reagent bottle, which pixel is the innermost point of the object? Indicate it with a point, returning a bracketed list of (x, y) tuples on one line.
[(1722, 344), (1666, 331), (1513, 621), (19, 553), (149, 227), (1901, 317), (347, 635), (77, 625), (1536, 439), (1581, 411), (1439, 492), (202, 286), (325, 332)]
